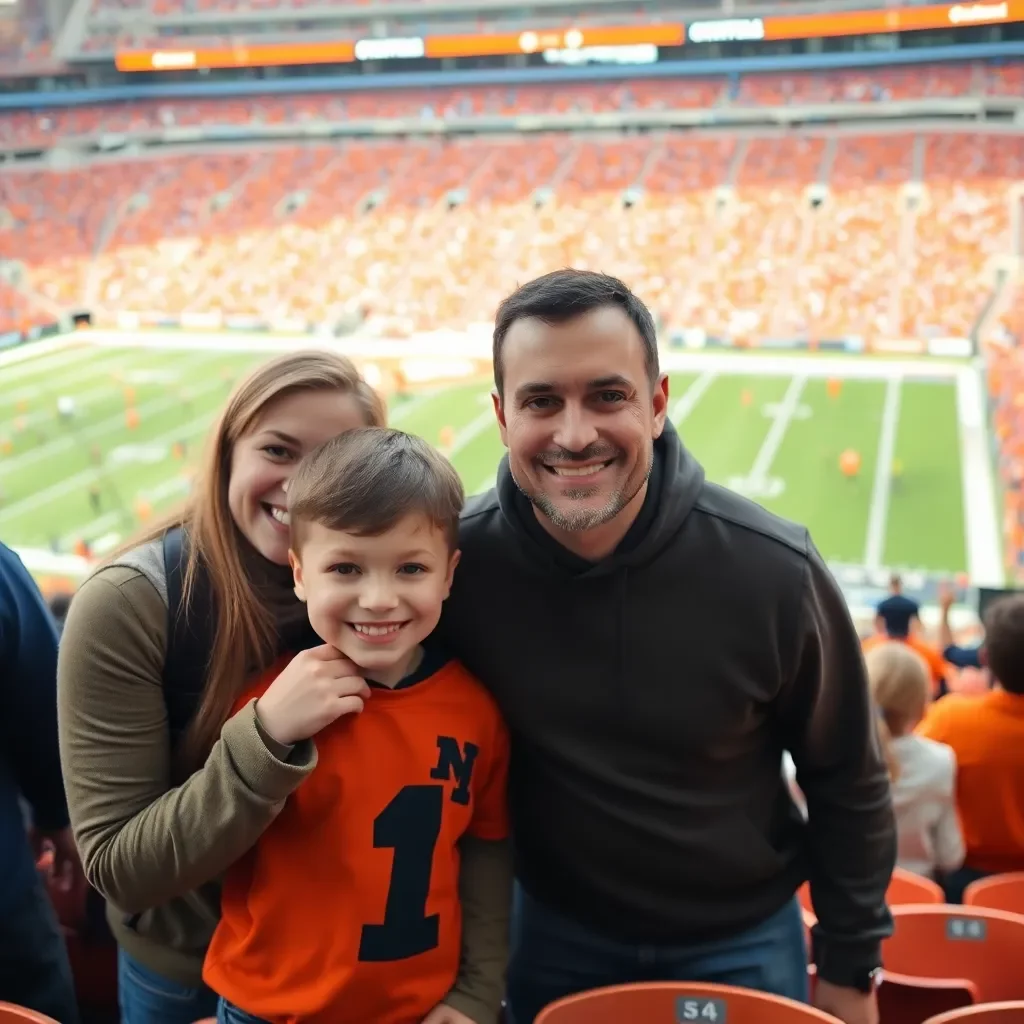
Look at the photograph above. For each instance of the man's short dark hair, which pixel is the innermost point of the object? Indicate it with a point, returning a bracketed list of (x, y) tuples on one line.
[(563, 295), (367, 479), (1004, 642)]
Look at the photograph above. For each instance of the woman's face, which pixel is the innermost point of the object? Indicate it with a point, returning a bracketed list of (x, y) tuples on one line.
[(265, 458)]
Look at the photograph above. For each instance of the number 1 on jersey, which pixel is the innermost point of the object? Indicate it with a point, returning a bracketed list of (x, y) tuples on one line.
[(409, 825)]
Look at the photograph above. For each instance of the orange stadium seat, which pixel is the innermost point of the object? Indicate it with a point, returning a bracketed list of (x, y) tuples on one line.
[(11, 1014), (992, 1013), (656, 1002), (946, 943), (999, 892)]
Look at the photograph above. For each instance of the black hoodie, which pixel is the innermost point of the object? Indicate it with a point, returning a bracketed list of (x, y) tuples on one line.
[(650, 697)]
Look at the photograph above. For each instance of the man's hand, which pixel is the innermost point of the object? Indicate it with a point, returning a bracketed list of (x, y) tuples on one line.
[(848, 1004), (442, 1014)]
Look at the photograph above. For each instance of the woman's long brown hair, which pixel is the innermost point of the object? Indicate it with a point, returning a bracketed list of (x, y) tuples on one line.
[(244, 628)]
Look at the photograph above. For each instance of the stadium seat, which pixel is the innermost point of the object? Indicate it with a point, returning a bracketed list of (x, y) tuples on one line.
[(906, 1000), (904, 887), (990, 1013), (11, 1014), (671, 1003), (1000, 892), (966, 944)]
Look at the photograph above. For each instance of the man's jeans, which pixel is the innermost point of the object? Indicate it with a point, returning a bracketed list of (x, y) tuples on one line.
[(149, 998), (34, 967), (553, 957)]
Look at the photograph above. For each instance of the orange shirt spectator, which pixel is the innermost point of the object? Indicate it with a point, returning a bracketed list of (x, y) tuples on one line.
[(987, 735), (932, 657)]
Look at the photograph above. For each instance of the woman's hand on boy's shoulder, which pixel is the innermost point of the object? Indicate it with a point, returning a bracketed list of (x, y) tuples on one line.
[(316, 688), (442, 1014)]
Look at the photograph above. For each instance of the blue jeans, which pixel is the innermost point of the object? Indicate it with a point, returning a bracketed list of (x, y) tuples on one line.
[(228, 1014), (149, 998), (553, 957), (34, 967)]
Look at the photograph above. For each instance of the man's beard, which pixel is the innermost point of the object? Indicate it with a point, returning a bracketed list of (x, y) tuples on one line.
[(581, 520)]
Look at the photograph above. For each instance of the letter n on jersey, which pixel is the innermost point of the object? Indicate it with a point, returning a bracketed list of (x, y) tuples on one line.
[(455, 759)]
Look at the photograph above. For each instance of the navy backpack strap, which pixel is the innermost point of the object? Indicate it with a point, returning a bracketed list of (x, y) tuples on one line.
[(189, 638)]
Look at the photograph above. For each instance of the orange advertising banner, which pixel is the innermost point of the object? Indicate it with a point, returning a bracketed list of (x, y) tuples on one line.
[(538, 40), (748, 29), (895, 19), (240, 56)]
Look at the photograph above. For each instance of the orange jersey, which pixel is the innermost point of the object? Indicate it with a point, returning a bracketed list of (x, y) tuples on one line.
[(347, 909), (931, 656)]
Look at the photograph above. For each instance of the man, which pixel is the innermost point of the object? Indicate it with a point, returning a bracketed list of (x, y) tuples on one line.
[(898, 618), (986, 733), (34, 968), (655, 643), (897, 613)]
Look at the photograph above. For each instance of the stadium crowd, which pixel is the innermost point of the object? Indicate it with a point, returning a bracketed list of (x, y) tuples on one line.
[(324, 658)]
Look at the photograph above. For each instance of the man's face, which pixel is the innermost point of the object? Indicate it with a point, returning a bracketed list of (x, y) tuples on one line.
[(578, 415)]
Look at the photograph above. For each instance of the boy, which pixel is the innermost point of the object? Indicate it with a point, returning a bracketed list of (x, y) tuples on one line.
[(381, 893)]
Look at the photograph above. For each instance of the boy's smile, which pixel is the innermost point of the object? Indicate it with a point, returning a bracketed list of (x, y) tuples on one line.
[(375, 598)]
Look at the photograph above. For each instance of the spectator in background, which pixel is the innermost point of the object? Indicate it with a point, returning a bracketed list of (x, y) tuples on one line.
[(898, 618), (34, 968), (961, 657), (986, 733), (897, 614), (655, 643), (923, 772)]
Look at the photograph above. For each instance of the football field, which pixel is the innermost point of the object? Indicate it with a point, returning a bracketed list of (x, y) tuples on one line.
[(139, 418)]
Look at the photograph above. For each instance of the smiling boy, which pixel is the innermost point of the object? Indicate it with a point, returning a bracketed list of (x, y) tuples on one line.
[(381, 892)]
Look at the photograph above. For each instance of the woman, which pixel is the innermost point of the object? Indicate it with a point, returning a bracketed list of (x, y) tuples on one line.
[(165, 790)]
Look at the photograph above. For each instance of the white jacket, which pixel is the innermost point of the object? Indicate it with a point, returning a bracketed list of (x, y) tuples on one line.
[(924, 798)]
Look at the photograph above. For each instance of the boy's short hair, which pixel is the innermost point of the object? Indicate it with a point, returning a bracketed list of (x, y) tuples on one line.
[(367, 479), (1004, 642)]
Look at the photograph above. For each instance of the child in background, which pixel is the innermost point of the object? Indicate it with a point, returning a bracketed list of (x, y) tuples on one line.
[(923, 772), (381, 893)]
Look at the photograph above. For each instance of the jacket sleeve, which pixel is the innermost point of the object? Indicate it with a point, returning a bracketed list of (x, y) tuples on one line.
[(948, 835), (142, 839), (485, 894), (851, 830), (28, 681)]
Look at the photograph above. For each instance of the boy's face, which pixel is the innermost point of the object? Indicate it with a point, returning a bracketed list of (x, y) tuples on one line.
[(375, 598)]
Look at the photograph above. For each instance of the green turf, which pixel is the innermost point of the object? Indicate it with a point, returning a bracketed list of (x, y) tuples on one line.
[(926, 512), (46, 477), (833, 507), (725, 434)]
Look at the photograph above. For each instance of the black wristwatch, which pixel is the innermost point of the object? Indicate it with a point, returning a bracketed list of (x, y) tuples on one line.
[(867, 980), (864, 980)]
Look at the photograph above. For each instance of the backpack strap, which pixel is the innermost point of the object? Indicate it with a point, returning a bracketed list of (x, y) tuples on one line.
[(189, 638)]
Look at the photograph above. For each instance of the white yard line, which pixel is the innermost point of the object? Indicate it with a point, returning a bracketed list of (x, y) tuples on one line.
[(982, 522), (35, 361), (471, 432), (691, 396), (87, 476), (881, 492), (111, 423), (65, 376), (113, 519), (786, 410)]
